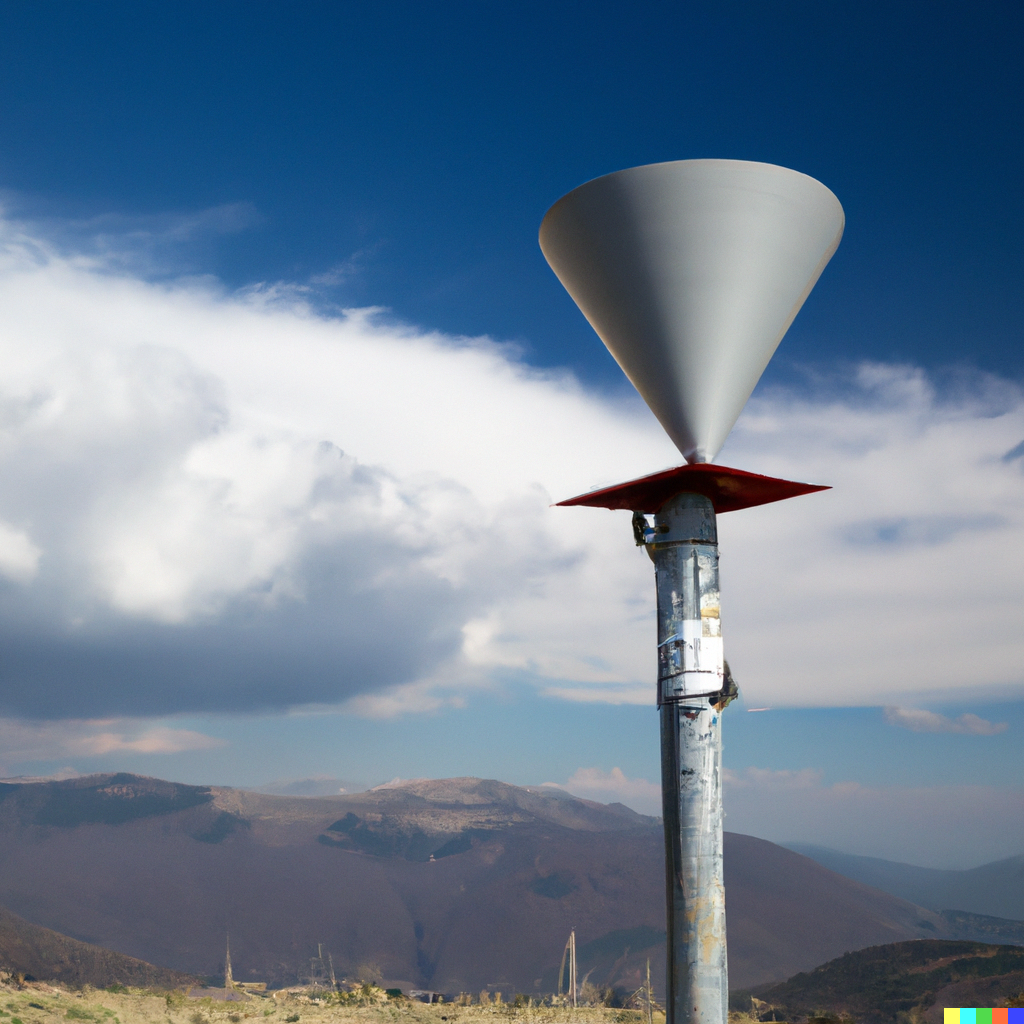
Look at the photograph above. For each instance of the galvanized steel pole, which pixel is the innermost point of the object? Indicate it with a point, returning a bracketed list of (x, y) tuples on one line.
[(690, 272), (692, 691)]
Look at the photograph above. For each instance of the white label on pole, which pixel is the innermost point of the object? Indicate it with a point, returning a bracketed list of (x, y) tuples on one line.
[(712, 655), (691, 637)]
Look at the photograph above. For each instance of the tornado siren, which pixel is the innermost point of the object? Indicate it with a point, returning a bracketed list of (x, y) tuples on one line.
[(691, 272)]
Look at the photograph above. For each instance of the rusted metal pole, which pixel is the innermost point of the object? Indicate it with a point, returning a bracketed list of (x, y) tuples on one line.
[(692, 691)]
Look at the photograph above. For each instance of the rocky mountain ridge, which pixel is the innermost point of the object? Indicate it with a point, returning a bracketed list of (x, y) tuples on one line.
[(454, 884)]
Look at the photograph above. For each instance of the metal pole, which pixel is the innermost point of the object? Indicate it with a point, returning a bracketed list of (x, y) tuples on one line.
[(572, 965), (650, 998), (692, 691)]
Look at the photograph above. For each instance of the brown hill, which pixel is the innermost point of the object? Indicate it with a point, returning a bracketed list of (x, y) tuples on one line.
[(453, 884), (899, 982), (39, 953)]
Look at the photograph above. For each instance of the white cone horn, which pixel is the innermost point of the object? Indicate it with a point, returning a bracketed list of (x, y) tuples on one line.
[(691, 272)]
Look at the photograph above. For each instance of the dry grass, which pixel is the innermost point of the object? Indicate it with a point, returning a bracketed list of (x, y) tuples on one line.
[(38, 1003)]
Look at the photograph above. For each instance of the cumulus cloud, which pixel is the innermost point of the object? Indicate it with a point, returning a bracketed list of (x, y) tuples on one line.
[(232, 503), (917, 720), (221, 501)]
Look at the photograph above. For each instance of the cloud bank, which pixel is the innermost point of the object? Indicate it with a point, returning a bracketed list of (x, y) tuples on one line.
[(917, 720), (234, 502)]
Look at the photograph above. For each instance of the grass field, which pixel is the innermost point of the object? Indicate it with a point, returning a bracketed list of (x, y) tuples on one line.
[(39, 1003)]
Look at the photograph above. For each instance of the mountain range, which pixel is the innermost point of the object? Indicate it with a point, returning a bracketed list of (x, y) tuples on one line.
[(995, 889), (455, 885)]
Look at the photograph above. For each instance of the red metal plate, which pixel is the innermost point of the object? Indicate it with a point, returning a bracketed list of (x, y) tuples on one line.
[(728, 489)]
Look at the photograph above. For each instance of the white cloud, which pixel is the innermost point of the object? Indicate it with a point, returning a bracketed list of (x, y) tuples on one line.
[(905, 579), (787, 779), (614, 787), (42, 741), (929, 721), (156, 244), (151, 741), (230, 501), (19, 557), (179, 454)]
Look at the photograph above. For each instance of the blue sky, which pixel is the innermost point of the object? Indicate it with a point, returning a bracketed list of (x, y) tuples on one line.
[(250, 538)]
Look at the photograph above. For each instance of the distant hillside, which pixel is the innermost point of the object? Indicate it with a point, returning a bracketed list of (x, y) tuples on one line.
[(898, 982), (958, 924), (46, 955), (453, 884), (995, 889)]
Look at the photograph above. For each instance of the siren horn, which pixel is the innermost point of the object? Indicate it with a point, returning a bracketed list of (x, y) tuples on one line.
[(691, 273)]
